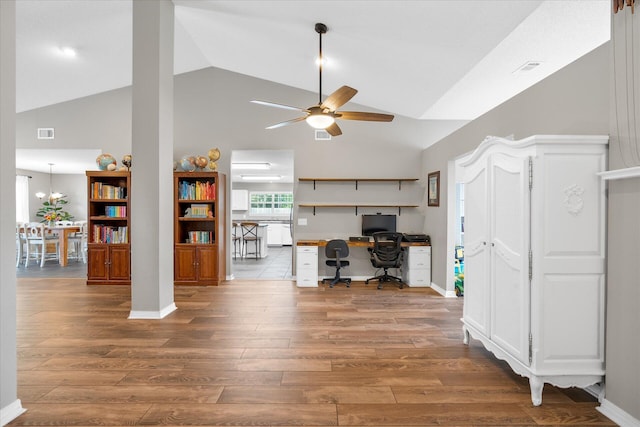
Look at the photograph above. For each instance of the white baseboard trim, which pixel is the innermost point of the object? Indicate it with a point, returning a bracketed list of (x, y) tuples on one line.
[(230, 277), (11, 412), (617, 415), (139, 314), (443, 292)]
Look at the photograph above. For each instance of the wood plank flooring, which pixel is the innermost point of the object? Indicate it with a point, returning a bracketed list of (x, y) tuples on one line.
[(266, 353)]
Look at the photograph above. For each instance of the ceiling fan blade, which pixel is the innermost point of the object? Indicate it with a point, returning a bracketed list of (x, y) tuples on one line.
[(368, 117), (288, 122), (338, 98), (272, 104), (334, 130)]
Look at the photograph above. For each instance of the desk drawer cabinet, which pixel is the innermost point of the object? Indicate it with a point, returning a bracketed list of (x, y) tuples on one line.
[(307, 266), (416, 270)]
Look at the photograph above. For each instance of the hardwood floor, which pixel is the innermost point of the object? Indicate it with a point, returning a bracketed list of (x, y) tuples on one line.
[(266, 353)]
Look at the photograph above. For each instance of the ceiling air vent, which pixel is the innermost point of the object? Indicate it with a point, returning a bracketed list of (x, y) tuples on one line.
[(45, 133), (527, 66), (322, 135)]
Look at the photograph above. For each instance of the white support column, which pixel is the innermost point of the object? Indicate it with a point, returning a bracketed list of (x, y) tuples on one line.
[(152, 170), (10, 405)]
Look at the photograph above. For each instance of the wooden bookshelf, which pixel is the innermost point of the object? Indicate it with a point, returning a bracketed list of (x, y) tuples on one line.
[(199, 228), (108, 228)]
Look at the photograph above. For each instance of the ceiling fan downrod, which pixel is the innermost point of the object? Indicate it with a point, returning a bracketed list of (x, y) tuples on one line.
[(320, 29)]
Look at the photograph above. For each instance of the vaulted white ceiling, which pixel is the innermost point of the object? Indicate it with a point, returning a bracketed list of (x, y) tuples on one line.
[(429, 59)]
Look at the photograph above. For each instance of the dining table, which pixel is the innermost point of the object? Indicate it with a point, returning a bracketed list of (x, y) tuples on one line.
[(63, 232)]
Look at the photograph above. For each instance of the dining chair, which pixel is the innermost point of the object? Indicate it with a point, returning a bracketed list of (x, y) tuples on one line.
[(78, 242), (65, 223), (237, 239), (39, 243), (21, 241)]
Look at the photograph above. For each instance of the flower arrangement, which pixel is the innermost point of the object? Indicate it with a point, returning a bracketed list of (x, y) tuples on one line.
[(51, 210)]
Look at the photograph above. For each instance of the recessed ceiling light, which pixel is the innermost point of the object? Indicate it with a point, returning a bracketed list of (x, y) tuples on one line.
[(527, 66), (67, 52), (261, 177), (251, 166)]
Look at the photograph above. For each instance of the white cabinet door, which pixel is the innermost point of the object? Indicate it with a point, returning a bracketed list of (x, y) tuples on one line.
[(509, 228), (240, 200), (274, 235), (476, 250)]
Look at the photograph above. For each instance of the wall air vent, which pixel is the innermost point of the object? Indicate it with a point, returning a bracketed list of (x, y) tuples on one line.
[(322, 135), (527, 66), (45, 133)]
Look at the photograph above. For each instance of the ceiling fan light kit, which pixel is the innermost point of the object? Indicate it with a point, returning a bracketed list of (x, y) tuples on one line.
[(324, 114)]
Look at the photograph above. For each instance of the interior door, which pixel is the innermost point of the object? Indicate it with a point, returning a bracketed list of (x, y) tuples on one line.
[(510, 314), (476, 256)]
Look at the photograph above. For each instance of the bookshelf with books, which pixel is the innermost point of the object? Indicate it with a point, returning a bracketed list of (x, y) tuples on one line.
[(199, 228), (108, 215)]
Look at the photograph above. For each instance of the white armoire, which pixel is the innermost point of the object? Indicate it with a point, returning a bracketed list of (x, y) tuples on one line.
[(534, 288)]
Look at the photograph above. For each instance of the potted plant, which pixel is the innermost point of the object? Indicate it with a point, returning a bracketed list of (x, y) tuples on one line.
[(51, 211)]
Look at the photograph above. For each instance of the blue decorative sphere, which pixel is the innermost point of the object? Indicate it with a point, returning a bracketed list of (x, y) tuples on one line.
[(104, 160), (188, 164)]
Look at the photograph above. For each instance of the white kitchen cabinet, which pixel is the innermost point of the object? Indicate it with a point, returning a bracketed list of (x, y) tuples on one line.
[(535, 256), (416, 269), (307, 266), (274, 234), (279, 235), (239, 200)]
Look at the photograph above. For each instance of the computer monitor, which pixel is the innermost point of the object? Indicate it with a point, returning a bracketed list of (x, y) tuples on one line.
[(374, 223)]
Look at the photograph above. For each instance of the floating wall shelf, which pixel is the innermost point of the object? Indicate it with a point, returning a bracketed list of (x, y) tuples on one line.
[(356, 180), (355, 206)]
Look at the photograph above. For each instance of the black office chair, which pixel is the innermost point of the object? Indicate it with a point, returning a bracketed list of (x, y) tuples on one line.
[(336, 250), (386, 253)]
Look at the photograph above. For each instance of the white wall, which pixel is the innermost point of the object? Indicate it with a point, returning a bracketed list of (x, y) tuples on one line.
[(560, 104), (212, 109)]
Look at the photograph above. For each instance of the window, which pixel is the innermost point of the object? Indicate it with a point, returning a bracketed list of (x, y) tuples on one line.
[(22, 198), (268, 203)]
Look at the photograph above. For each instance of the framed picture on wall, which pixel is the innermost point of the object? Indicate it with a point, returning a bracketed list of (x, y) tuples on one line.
[(433, 189)]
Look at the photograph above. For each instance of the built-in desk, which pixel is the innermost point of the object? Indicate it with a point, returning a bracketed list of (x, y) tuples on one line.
[(416, 268)]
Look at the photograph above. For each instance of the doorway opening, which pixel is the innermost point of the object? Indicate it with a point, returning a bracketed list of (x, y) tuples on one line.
[(262, 198)]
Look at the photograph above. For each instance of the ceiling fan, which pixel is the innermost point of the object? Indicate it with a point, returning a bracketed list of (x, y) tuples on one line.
[(324, 114)]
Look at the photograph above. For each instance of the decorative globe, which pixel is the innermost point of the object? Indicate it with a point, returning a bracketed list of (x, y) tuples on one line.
[(214, 154), (201, 162), (104, 160), (126, 160), (188, 164)]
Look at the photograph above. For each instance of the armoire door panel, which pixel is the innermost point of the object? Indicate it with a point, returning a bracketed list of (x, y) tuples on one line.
[(476, 311), (570, 336), (510, 324), (573, 223)]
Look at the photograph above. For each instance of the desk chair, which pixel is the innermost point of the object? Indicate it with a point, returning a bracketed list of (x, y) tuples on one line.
[(386, 253), (250, 234), (336, 250)]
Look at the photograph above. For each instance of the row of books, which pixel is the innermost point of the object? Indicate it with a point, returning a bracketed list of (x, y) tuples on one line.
[(200, 237), (115, 211), (109, 234), (107, 191), (199, 190), (199, 211)]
